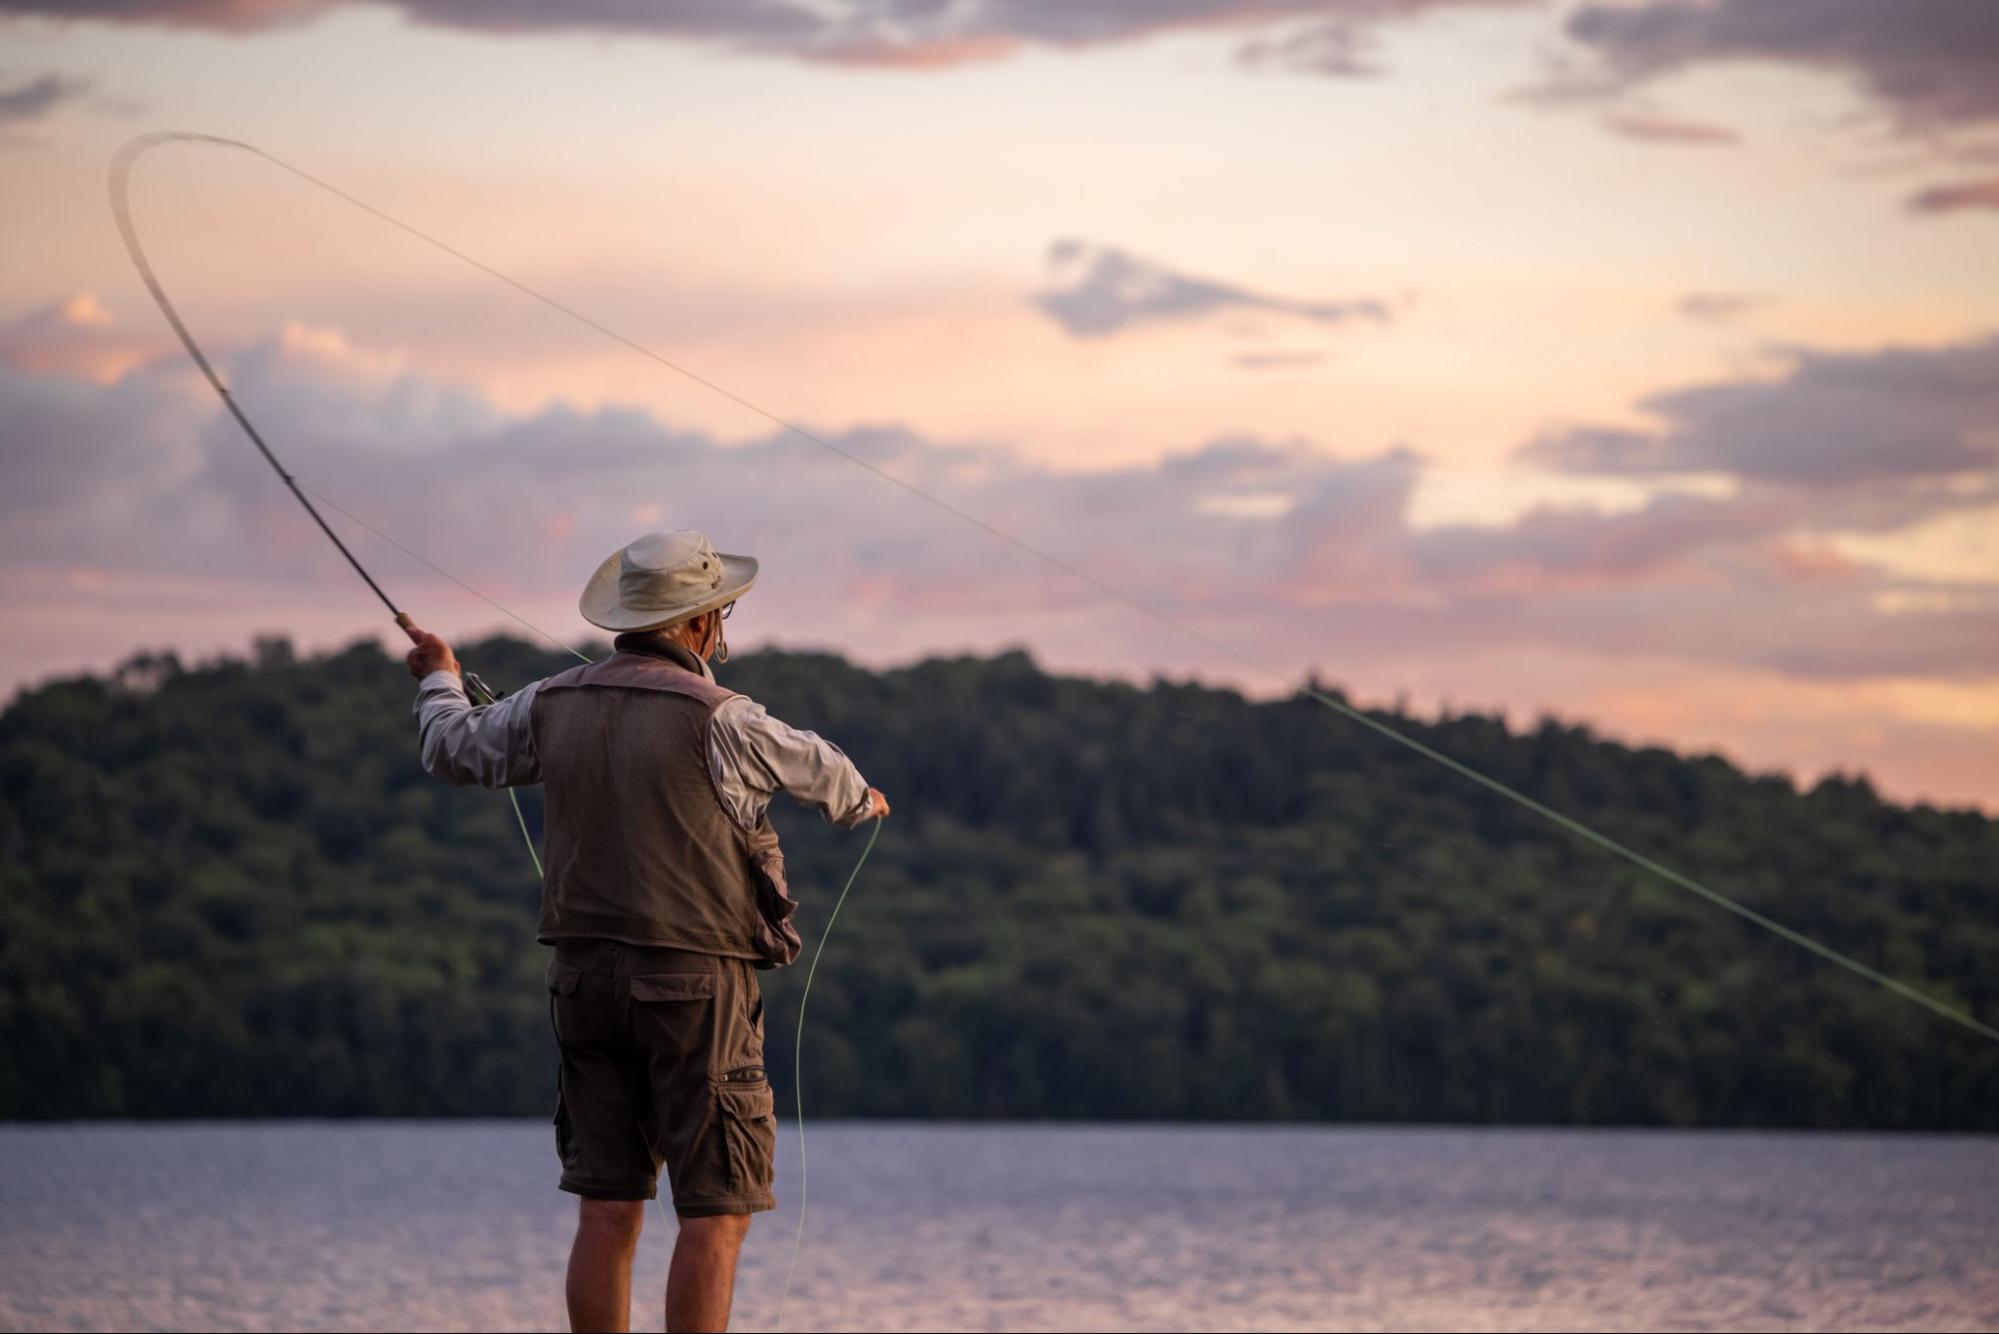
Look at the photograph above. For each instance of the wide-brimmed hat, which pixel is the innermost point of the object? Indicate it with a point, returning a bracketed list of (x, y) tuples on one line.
[(663, 578)]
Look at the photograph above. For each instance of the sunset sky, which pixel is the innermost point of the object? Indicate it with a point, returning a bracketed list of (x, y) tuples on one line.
[(1634, 362)]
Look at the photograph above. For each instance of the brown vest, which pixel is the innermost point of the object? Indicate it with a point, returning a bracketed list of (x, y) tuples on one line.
[(638, 846)]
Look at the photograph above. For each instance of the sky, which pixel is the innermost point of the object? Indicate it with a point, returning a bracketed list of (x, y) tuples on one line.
[(1633, 363)]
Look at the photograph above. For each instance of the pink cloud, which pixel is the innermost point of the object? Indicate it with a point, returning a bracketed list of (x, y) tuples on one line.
[(1809, 563), (1652, 127)]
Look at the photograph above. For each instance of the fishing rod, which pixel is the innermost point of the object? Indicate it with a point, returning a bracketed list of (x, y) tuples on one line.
[(121, 212)]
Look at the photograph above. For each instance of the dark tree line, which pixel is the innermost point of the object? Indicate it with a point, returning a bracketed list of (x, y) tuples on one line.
[(229, 890)]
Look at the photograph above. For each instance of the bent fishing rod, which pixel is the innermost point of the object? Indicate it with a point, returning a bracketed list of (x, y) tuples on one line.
[(121, 212)]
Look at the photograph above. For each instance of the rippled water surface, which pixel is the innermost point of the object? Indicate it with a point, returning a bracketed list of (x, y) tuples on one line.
[(456, 1225)]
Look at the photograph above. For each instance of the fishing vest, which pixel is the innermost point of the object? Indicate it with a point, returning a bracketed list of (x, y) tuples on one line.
[(637, 844)]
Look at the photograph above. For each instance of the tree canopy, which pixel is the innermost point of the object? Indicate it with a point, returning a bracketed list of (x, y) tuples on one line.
[(230, 890)]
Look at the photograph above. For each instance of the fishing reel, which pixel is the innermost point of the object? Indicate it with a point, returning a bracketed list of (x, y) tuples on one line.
[(477, 688)]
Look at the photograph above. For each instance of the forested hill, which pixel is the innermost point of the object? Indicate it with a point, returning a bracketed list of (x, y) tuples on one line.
[(231, 891)]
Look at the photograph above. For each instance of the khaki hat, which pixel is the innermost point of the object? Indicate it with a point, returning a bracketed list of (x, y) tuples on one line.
[(663, 578)]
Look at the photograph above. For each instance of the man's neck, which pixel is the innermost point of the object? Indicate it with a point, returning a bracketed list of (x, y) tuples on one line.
[(654, 644)]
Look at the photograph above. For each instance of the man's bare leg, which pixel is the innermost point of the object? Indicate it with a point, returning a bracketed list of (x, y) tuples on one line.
[(702, 1282), (600, 1265)]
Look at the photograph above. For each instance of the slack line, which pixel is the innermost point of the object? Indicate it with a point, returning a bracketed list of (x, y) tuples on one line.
[(120, 170)]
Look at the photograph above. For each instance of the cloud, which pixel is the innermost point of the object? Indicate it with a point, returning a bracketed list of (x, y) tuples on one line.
[(1831, 419), (908, 34), (136, 513), (1102, 290), (1583, 548), (29, 102), (1932, 64), (139, 504), (1956, 198), (1336, 49), (1652, 127), (1278, 361), (1718, 307), (224, 15), (78, 337)]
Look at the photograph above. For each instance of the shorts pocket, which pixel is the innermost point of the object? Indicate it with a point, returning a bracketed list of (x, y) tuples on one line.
[(749, 1126)]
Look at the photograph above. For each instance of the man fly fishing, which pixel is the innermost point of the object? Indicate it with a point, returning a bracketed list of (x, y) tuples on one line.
[(663, 890)]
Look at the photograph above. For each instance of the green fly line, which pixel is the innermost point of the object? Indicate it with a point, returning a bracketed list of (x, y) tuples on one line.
[(798, 1064), (132, 150)]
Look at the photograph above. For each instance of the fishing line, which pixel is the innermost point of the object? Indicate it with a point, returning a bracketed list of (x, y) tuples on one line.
[(120, 170), (140, 145), (798, 1066)]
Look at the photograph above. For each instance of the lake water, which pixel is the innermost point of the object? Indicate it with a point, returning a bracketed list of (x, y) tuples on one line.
[(457, 1225)]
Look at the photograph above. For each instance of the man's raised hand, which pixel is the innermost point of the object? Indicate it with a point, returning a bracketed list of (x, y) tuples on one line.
[(431, 654)]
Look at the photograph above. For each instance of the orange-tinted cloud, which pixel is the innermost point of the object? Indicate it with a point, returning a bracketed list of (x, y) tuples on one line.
[(77, 337)]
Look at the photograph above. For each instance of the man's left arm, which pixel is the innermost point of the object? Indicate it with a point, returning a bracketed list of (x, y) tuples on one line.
[(753, 756)]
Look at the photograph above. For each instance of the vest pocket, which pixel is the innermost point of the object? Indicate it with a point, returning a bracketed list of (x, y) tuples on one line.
[(777, 941), (749, 1124)]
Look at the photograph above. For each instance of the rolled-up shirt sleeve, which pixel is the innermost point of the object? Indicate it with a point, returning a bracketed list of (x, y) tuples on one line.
[(491, 745), (753, 756)]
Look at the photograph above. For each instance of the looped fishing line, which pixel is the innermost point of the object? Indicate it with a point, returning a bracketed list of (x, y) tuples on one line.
[(120, 170)]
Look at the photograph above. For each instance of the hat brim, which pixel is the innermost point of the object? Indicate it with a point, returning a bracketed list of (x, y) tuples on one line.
[(602, 607)]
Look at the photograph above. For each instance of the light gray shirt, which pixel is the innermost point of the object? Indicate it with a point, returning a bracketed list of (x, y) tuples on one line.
[(751, 755)]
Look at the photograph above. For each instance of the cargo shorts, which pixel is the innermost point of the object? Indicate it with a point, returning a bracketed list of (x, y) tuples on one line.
[(662, 1065)]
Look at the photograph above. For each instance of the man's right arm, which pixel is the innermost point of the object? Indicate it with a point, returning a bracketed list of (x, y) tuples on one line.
[(491, 745)]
